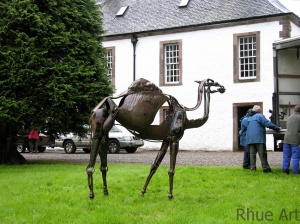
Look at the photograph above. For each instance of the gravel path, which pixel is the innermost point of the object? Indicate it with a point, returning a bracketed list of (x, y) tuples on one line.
[(142, 156)]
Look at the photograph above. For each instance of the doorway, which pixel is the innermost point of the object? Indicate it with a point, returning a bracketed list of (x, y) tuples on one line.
[(239, 111)]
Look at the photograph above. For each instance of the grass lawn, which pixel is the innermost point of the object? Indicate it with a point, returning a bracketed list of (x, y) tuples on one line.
[(58, 193)]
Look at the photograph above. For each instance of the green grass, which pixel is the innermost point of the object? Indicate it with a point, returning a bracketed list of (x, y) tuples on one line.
[(58, 193)]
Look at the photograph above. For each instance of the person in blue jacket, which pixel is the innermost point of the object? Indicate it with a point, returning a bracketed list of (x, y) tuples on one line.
[(256, 137), (243, 143)]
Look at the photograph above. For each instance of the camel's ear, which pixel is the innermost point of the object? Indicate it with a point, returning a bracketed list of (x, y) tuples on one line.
[(197, 81)]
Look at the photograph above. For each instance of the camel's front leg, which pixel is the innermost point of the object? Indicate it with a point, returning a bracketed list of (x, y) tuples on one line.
[(173, 154), (161, 154)]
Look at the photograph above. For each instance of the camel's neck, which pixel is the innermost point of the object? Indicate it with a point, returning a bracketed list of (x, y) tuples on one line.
[(201, 89), (202, 93)]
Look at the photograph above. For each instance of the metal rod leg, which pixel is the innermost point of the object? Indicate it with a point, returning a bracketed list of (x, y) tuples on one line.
[(90, 167), (103, 167), (161, 154), (173, 154)]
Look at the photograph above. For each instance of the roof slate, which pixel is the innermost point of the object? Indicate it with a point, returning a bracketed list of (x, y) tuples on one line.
[(153, 15)]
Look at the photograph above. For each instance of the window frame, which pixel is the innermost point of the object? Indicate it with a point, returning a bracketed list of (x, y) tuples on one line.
[(162, 64), (113, 62), (236, 57)]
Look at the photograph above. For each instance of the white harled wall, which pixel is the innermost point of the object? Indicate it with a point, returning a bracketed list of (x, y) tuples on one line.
[(205, 54)]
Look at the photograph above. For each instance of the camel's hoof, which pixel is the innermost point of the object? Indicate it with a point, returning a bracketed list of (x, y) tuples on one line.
[(92, 195)]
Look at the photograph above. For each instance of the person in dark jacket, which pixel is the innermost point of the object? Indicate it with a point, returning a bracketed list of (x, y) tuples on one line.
[(243, 143), (256, 137), (291, 143)]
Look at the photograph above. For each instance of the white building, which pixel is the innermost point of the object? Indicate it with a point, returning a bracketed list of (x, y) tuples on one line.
[(227, 41)]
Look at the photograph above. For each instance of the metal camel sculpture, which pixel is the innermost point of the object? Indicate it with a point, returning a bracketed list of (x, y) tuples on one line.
[(136, 112)]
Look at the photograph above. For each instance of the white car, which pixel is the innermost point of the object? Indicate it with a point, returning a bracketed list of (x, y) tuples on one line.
[(117, 140)]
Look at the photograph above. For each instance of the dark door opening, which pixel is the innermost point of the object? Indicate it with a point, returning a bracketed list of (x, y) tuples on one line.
[(239, 111)]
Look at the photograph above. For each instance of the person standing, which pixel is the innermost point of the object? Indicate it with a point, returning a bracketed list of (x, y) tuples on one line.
[(33, 139), (256, 137), (243, 143), (291, 143)]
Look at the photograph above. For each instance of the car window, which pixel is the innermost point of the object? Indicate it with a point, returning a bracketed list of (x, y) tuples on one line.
[(115, 129)]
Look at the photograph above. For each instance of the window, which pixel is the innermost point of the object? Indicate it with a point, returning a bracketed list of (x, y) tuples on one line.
[(184, 3), (246, 57), (170, 63), (122, 11), (247, 61), (110, 56), (109, 63), (163, 113)]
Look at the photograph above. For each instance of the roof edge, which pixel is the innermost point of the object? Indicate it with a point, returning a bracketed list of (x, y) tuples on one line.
[(204, 26), (292, 42)]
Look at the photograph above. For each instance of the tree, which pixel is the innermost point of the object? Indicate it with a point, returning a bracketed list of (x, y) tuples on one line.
[(53, 67)]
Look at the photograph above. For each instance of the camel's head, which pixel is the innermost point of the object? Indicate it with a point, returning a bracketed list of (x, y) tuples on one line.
[(221, 88), (209, 83)]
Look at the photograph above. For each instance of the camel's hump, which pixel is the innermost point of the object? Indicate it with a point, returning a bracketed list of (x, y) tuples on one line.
[(142, 84)]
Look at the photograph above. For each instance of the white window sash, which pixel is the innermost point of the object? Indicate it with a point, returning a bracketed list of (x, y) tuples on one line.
[(247, 58), (171, 52)]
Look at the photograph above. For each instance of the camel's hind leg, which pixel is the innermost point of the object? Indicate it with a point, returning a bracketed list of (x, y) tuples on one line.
[(173, 154), (101, 124), (90, 167), (161, 154), (99, 147), (103, 166)]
